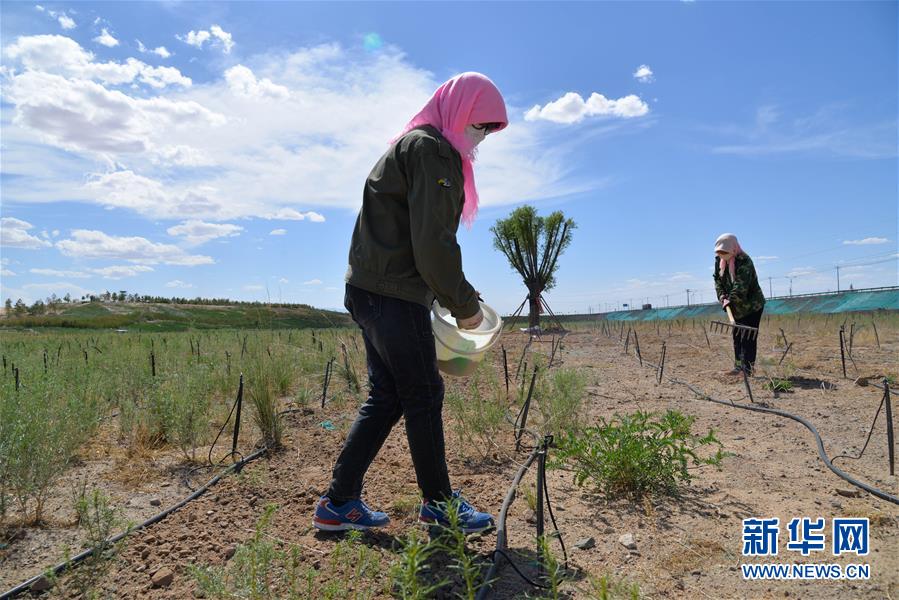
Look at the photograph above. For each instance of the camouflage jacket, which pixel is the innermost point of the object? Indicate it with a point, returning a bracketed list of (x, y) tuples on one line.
[(745, 293)]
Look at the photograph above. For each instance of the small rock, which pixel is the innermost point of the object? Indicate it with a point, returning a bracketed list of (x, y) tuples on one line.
[(155, 502), (191, 517), (585, 543), (531, 517), (163, 577), (608, 530), (739, 438), (836, 504), (849, 492), (145, 553), (229, 551), (627, 540), (41, 584), (696, 572), (165, 484)]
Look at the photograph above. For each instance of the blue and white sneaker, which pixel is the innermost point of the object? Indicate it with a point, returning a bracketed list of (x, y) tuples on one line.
[(470, 520), (355, 514)]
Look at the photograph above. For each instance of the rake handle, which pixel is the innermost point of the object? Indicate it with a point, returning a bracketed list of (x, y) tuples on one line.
[(730, 315)]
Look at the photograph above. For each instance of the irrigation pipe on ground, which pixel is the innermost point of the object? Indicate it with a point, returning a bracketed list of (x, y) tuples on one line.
[(75, 560), (782, 413)]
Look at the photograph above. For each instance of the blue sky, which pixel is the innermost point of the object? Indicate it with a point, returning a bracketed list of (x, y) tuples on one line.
[(219, 149)]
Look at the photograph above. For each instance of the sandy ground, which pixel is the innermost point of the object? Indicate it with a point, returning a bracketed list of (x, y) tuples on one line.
[(688, 547)]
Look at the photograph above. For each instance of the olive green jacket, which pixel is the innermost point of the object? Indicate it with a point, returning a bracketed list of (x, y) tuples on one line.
[(404, 243), (745, 293)]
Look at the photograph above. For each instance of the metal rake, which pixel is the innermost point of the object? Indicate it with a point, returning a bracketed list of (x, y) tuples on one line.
[(741, 331)]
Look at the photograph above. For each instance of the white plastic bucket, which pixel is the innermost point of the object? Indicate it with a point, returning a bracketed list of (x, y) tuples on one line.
[(460, 350)]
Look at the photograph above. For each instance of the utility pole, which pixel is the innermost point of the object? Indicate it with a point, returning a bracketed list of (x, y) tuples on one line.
[(838, 278), (770, 293), (791, 278), (688, 296), (666, 301)]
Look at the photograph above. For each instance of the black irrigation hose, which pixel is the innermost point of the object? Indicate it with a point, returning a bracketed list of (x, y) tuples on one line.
[(237, 466), (501, 524), (25, 586), (868, 439), (820, 443), (839, 472)]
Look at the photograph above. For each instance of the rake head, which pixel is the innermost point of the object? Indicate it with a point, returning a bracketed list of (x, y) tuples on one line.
[(742, 331)]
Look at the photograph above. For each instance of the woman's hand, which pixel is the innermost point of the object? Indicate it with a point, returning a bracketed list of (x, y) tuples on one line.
[(724, 301), (471, 322)]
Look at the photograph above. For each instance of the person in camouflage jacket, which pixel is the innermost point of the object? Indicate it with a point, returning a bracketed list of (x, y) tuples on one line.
[(737, 286)]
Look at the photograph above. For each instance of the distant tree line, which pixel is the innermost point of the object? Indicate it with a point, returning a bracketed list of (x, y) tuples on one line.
[(53, 302)]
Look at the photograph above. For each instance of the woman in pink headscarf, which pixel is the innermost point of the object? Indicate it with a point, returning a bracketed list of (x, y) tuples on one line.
[(403, 255), (737, 286)]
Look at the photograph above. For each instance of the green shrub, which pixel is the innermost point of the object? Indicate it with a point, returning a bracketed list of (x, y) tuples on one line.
[(636, 454), (779, 385)]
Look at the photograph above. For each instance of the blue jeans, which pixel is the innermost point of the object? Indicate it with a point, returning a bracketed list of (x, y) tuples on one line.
[(404, 381)]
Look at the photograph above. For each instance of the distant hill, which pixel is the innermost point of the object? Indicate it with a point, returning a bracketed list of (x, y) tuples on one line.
[(177, 317)]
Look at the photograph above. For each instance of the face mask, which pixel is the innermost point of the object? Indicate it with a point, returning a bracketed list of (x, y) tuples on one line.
[(475, 135)]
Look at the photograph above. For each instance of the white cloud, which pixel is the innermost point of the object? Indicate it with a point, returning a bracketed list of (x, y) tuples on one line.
[(80, 115), (643, 74), (868, 241), (762, 259), (313, 282), (106, 39), (121, 271), (14, 234), (7, 273), (223, 36), (572, 108), (278, 158), (197, 232), (56, 273), (66, 22), (242, 81), (96, 244), (63, 56), (253, 288), (215, 35), (160, 51), (177, 283), (278, 232), (283, 280)]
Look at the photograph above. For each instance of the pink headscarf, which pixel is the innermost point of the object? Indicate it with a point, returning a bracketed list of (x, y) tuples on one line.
[(727, 242), (466, 99)]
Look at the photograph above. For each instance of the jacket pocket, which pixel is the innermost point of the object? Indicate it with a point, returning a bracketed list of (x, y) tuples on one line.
[(364, 307)]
